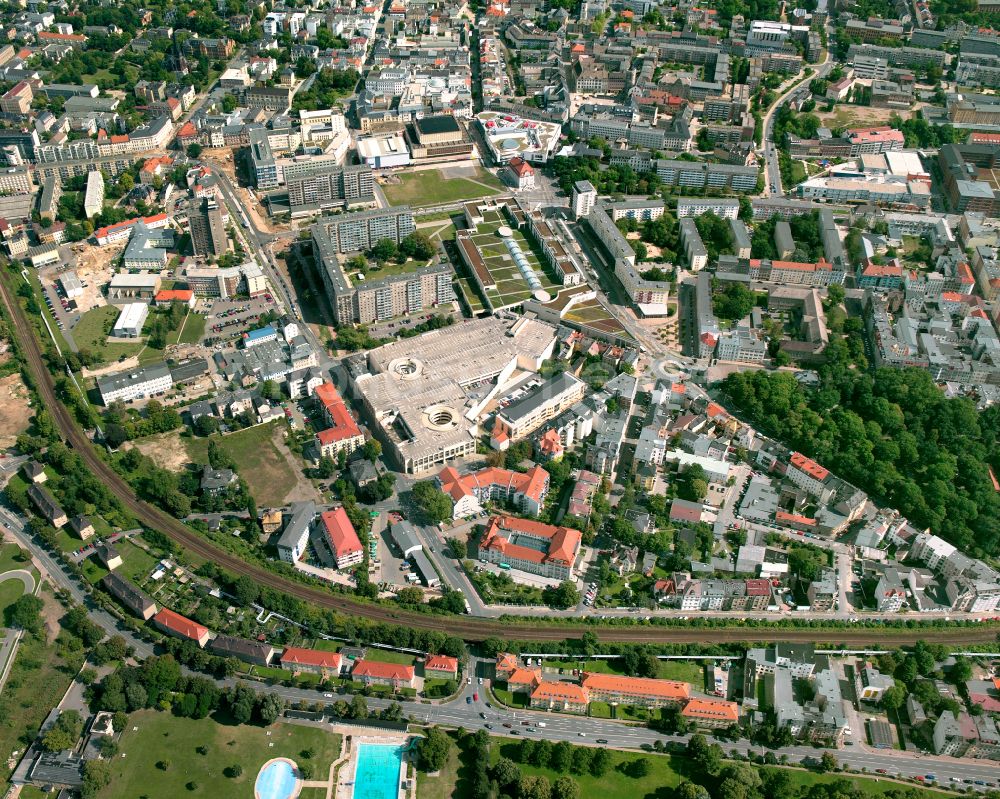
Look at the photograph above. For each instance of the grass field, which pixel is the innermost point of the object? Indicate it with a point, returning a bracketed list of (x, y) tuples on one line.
[(193, 329), (9, 558), (431, 187), (135, 561), (384, 656), (162, 736), (261, 464), (10, 592), (91, 333), (327, 646)]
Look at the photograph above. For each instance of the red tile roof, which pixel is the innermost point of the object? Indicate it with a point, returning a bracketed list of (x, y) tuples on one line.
[(636, 686), (809, 466), (531, 483), (563, 546), (342, 424), (441, 663), (794, 518), (711, 709), (181, 625), (62, 37), (295, 656), (520, 167), (340, 532), (384, 671), (560, 692), (174, 295), (758, 587)]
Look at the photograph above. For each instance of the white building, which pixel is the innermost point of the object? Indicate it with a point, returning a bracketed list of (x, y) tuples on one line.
[(584, 197), (696, 206), (93, 199), (130, 320), (133, 384)]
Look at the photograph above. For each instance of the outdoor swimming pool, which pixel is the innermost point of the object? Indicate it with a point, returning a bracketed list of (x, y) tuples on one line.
[(277, 780), (377, 773)]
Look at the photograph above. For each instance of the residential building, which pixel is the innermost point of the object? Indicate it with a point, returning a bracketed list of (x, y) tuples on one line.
[(374, 672), (259, 653), (637, 691), (525, 490), (566, 697), (312, 661), (442, 667), (525, 415), (295, 537), (711, 713), (47, 506), (133, 384), (531, 546), (343, 433), (175, 624), (208, 231), (134, 600), (341, 539)]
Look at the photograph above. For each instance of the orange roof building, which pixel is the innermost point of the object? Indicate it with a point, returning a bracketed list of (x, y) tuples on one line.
[(806, 473), (343, 434), (550, 445), (565, 696), (181, 626), (531, 546), (506, 664), (711, 712), (370, 672), (639, 691), (523, 681), (185, 296), (341, 538), (441, 666), (314, 661), (524, 490)]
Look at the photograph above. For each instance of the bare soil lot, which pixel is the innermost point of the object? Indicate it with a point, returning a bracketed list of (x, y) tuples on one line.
[(15, 409)]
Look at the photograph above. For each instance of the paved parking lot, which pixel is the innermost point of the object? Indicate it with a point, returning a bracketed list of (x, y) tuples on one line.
[(233, 317)]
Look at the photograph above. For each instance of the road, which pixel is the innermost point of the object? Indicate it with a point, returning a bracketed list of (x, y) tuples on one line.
[(773, 176)]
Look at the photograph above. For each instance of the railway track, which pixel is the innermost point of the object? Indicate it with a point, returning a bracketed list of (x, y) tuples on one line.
[(469, 628)]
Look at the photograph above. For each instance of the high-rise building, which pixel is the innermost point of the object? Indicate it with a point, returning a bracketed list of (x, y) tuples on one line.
[(208, 232), (584, 197)]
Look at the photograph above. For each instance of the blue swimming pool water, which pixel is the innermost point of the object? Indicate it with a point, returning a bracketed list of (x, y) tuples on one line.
[(377, 774), (276, 781)]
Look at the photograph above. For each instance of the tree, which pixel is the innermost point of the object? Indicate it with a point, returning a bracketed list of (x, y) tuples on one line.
[(835, 294), (581, 760), (384, 250), (96, 777), (433, 750), (961, 671), (535, 787), (25, 613), (827, 762), (358, 707), (600, 762), (565, 788), (64, 733), (734, 302), (565, 595), (708, 757), (435, 504), (506, 772), (561, 758), (640, 768), (417, 246), (372, 449), (894, 697), (270, 708), (234, 771), (194, 150)]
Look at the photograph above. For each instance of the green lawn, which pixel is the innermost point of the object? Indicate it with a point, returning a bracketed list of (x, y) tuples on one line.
[(10, 592), (162, 736), (385, 656), (327, 646), (443, 784), (193, 329), (91, 333), (259, 462), (9, 554), (430, 187), (136, 562), (509, 698)]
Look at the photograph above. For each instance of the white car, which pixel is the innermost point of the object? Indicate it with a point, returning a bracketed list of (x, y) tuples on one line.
[(468, 681), (480, 680)]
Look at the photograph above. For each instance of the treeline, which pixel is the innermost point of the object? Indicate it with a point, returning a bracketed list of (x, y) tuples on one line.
[(896, 435)]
